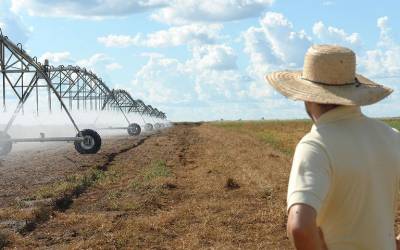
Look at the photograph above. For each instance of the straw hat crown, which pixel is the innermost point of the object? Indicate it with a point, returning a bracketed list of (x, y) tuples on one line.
[(331, 65), (329, 76)]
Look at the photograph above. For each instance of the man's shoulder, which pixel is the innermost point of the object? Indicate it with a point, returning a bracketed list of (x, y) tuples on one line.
[(383, 125), (312, 138)]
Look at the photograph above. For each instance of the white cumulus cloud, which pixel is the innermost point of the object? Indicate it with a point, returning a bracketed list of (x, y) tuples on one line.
[(215, 73), (384, 60), (120, 41), (335, 35), (162, 80), (274, 45), (174, 36), (220, 86), (85, 9), (186, 11), (93, 60), (210, 75), (113, 66), (56, 57), (287, 45), (216, 57)]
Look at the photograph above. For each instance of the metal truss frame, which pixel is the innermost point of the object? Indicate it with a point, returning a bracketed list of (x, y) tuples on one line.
[(24, 74), (73, 87)]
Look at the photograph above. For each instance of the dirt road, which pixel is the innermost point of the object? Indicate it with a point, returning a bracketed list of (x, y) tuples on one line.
[(192, 186)]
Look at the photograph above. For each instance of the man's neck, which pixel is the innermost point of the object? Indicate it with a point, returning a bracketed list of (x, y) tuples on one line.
[(316, 110)]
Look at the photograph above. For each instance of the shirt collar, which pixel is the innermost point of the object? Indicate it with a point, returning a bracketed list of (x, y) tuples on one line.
[(339, 113)]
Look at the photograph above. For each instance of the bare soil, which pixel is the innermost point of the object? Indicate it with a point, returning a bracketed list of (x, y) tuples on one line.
[(192, 186)]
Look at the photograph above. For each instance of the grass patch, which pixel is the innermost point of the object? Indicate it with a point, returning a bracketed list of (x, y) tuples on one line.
[(276, 143), (282, 136), (111, 177), (61, 195), (157, 169), (117, 200), (143, 191), (74, 183), (395, 123)]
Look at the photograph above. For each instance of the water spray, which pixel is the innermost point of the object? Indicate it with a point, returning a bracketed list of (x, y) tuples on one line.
[(74, 88)]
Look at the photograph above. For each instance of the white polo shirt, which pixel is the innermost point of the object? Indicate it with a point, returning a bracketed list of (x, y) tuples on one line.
[(347, 168)]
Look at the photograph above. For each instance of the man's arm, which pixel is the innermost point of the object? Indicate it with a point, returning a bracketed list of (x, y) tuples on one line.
[(302, 228)]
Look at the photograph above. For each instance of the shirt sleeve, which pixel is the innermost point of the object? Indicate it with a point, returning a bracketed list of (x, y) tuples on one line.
[(310, 176)]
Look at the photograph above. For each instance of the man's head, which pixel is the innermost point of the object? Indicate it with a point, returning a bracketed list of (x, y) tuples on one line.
[(315, 110)]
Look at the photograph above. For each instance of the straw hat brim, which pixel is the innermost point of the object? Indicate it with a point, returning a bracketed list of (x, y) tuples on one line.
[(291, 85)]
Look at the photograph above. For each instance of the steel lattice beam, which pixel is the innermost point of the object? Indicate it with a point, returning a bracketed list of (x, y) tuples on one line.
[(74, 87)]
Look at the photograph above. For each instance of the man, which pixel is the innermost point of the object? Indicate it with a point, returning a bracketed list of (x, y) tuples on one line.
[(344, 181)]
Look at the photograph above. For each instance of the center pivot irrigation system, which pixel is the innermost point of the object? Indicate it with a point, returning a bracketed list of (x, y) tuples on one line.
[(75, 88)]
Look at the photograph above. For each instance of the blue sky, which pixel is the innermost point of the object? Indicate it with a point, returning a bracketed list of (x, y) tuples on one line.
[(205, 60)]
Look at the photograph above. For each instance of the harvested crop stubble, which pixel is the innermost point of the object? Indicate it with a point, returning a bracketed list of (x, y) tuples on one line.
[(171, 193), (194, 186)]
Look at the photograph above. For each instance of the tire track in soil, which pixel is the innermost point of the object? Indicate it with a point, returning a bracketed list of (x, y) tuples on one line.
[(173, 146), (64, 202), (43, 210), (197, 212)]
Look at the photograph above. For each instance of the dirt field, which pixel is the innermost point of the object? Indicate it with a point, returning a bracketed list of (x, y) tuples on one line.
[(190, 187)]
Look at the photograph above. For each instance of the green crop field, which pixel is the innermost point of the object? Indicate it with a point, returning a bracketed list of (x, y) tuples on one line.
[(395, 123), (281, 135)]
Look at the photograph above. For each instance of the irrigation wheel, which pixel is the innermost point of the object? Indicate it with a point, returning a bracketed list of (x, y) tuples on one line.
[(134, 129), (148, 127), (5, 144), (91, 143), (157, 126)]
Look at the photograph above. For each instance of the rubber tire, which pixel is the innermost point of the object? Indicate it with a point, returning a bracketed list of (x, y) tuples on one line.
[(148, 127), (80, 147), (157, 126), (134, 129), (5, 147)]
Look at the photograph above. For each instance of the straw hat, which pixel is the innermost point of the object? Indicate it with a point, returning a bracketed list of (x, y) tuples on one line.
[(329, 76)]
